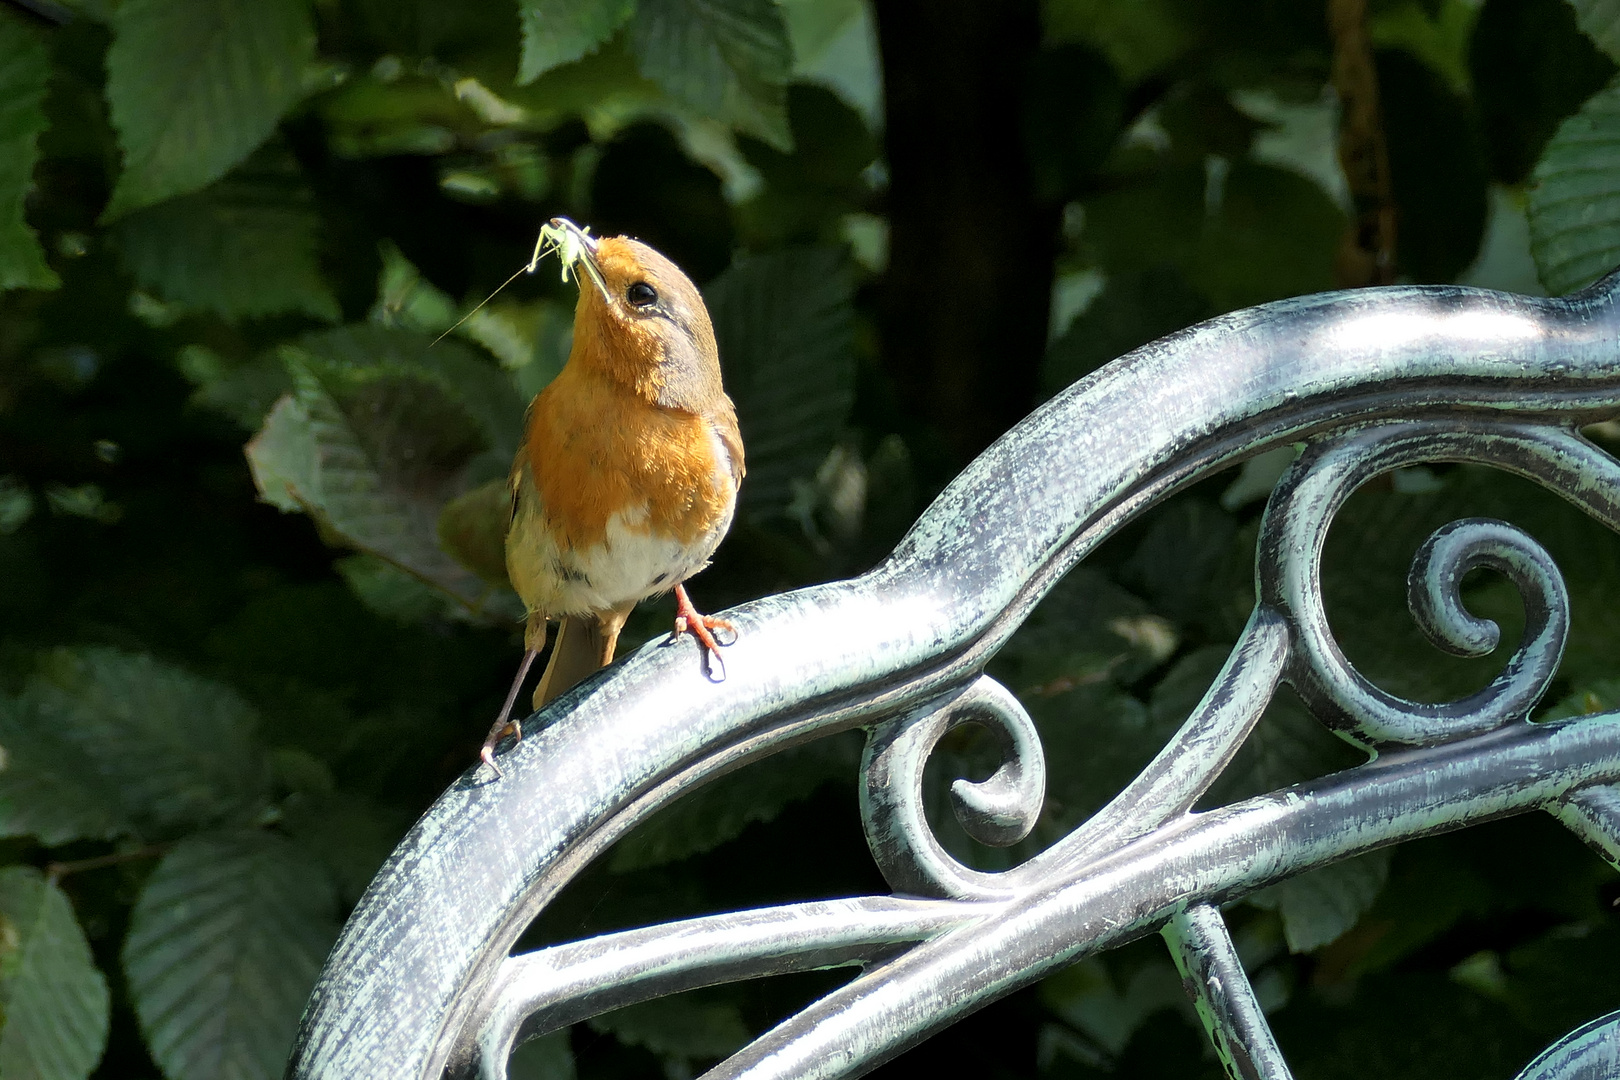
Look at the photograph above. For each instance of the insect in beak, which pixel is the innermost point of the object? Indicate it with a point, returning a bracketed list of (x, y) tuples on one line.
[(575, 248)]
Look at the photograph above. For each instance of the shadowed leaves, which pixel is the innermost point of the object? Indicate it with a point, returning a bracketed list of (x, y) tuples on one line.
[(224, 945), (53, 1001)]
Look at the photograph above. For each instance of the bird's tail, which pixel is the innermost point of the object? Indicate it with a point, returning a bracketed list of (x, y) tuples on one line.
[(585, 644)]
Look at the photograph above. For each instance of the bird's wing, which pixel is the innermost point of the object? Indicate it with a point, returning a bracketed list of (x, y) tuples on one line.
[(725, 425)]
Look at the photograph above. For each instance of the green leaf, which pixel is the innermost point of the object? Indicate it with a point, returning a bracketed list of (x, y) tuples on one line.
[(1133, 309), (720, 811), (1318, 907), (243, 390), (103, 742), (25, 67), (785, 327), (730, 59), (351, 834), (53, 1001), (1252, 233), (472, 529), (1531, 69), (195, 86), (1139, 36), (224, 945), (557, 32), (546, 1058), (380, 434), (1600, 21), (1086, 997), (1575, 201), (243, 248)]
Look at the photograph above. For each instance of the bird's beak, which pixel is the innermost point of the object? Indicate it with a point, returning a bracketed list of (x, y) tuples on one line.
[(579, 250)]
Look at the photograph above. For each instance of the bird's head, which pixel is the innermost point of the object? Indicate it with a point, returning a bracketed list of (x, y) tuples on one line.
[(640, 320)]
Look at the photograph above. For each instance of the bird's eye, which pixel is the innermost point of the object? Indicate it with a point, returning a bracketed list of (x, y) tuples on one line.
[(641, 294)]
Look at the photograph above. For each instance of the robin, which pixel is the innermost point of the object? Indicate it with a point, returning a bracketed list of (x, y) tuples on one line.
[(627, 476)]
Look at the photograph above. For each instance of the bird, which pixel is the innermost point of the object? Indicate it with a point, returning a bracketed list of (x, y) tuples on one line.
[(627, 475)]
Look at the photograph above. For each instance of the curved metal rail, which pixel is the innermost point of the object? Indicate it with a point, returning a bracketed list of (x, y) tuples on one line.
[(1375, 379)]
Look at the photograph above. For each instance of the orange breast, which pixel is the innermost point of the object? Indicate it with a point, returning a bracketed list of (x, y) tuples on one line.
[(596, 449)]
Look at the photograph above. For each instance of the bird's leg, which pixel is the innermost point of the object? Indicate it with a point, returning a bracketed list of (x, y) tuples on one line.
[(503, 721), (689, 620)]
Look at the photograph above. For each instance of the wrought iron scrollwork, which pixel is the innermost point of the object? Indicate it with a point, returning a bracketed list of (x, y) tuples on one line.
[(1372, 381)]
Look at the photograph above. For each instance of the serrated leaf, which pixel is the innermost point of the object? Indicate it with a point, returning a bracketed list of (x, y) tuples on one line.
[(44, 791), (243, 248), (103, 742), (785, 327), (1575, 201), (379, 435), (1319, 906), (730, 59), (195, 86), (53, 1001), (1600, 21), (224, 945), (720, 811), (25, 67), (687, 1026), (558, 32)]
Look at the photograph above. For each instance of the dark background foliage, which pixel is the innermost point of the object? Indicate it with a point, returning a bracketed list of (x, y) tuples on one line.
[(230, 680)]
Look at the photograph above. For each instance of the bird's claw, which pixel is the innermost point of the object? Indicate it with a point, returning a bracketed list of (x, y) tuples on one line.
[(688, 620), (486, 753)]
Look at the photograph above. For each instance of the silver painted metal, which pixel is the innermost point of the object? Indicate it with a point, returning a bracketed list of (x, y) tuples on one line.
[(1375, 380), (1220, 989), (1590, 1052)]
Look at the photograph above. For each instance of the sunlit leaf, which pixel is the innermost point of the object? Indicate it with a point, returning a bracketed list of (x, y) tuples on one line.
[(53, 1001), (103, 742), (24, 69), (243, 248), (557, 32), (785, 328), (380, 434), (730, 59), (196, 85), (1575, 201), (224, 945)]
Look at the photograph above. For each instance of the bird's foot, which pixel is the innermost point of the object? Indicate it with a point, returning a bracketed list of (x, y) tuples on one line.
[(688, 620), (503, 722), (486, 753)]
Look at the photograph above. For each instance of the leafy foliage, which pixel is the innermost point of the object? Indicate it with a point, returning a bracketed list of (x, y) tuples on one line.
[(231, 675), (244, 248), (55, 1001), (182, 125), (224, 944), (105, 743), (1575, 206), (24, 69)]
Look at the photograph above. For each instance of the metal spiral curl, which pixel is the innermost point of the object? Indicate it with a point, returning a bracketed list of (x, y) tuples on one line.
[(1292, 536), (999, 811)]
